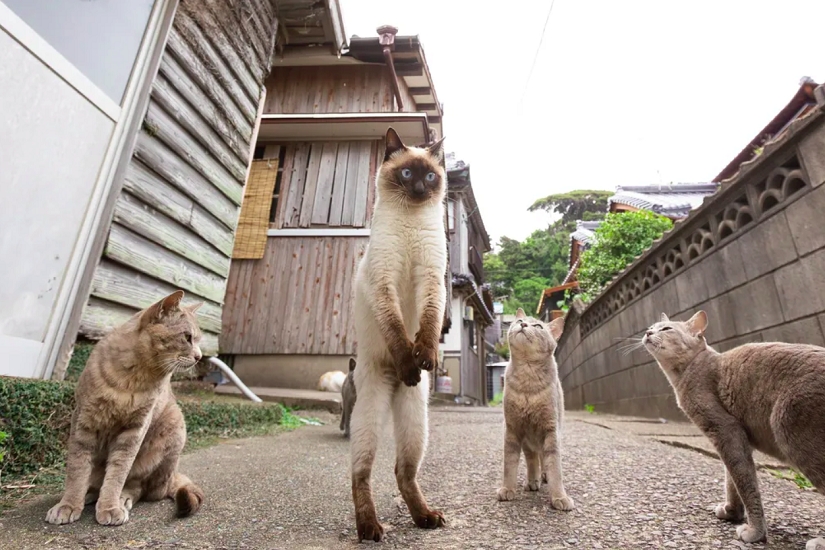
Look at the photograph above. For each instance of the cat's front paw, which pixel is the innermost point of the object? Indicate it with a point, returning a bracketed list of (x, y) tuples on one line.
[(505, 494), (729, 512), (405, 366), (563, 503), (533, 485), (425, 354), (815, 544), (62, 513), (409, 374), (111, 515), (751, 534)]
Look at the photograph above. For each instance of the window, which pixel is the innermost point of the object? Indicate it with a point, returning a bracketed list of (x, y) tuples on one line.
[(101, 39), (325, 184), (451, 215)]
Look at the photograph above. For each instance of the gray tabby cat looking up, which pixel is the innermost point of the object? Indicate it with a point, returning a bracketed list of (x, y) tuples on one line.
[(533, 409), (767, 396)]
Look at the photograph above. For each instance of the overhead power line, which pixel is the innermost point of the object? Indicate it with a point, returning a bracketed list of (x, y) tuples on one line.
[(536, 56)]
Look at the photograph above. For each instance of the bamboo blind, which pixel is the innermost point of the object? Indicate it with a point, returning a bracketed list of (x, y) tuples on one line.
[(250, 237)]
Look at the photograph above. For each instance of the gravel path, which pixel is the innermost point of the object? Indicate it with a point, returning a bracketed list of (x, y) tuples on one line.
[(291, 491)]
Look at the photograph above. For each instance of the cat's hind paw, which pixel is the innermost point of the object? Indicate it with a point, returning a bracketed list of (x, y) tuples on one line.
[(564, 503), (370, 530), (730, 513), (751, 534), (533, 485), (62, 513), (506, 494), (431, 519)]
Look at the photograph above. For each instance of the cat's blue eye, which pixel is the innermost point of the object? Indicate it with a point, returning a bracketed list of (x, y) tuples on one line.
[(431, 176), (406, 173), (188, 336), (665, 328)]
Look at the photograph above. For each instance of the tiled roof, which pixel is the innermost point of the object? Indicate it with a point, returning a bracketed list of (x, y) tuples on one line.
[(585, 231), (674, 200)]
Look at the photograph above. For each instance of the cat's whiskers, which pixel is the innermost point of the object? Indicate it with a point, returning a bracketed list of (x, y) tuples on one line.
[(631, 344)]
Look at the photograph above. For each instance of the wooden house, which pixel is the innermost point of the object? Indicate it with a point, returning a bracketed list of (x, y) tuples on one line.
[(148, 111), (305, 219), (470, 299)]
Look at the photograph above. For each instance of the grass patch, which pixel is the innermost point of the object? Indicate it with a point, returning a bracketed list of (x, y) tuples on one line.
[(497, 399), (36, 416), (590, 408), (792, 475)]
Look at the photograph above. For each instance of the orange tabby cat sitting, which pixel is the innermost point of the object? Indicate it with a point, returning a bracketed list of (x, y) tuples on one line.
[(127, 430)]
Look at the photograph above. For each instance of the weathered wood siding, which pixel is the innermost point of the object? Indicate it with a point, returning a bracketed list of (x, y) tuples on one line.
[(344, 89), (296, 300), (327, 184), (174, 221)]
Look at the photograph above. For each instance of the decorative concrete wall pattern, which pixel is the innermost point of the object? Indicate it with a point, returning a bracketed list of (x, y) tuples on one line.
[(753, 257)]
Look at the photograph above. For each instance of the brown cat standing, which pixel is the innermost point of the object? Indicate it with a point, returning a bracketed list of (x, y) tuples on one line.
[(768, 396), (127, 430)]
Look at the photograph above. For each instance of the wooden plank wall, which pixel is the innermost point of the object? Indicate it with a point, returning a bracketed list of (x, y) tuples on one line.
[(174, 222), (344, 89), (296, 300), (327, 184)]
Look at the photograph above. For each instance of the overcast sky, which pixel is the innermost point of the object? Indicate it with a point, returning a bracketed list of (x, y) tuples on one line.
[(623, 93)]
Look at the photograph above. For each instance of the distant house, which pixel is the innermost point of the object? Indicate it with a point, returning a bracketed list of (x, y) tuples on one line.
[(470, 301), (288, 316), (674, 201)]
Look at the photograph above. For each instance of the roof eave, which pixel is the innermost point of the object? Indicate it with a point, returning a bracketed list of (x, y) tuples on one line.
[(804, 95)]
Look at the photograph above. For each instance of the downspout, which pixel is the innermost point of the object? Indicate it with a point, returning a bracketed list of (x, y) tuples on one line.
[(386, 38)]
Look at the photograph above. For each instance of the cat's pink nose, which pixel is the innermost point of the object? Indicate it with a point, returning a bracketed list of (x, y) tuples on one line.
[(197, 353), (649, 333)]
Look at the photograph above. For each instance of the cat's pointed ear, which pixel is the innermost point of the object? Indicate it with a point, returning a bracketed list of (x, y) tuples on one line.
[(698, 323), (520, 314), (436, 150), (394, 144), (194, 307), (157, 310), (556, 327), (664, 319), (351, 364)]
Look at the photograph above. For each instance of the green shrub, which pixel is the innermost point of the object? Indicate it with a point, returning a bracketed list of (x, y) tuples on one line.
[(618, 240), (36, 416), (213, 418), (497, 399), (3, 437), (77, 363)]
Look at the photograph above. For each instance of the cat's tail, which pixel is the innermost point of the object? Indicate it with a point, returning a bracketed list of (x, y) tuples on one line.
[(188, 496)]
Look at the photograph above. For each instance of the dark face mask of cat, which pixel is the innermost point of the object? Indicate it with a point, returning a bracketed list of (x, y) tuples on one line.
[(414, 173)]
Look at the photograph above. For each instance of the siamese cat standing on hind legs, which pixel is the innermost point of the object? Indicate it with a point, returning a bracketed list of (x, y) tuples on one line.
[(400, 297)]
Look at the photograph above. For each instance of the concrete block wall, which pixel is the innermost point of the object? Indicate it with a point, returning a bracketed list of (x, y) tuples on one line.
[(752, 257)]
